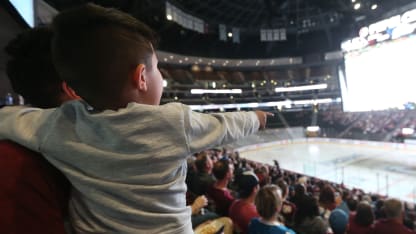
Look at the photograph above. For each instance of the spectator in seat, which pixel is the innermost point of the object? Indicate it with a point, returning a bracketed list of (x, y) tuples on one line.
[(224, 172), (34, 195), (124, 154), (307, 218), (361, 221), (288, 208), (338, 220), (203, 179), (268, 203), (243, 209), (262, 172), (341, 198), (299, 194), (393, 223), (327, 201)]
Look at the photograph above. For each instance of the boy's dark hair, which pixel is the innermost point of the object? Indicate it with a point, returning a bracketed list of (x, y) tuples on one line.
[(30, 68), (220, 169), (95, 49)]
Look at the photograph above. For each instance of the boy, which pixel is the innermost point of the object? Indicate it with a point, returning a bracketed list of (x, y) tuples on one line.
[(124, 154)]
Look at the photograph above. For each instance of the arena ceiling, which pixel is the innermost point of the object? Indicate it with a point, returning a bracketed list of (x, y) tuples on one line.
[(312, 26)]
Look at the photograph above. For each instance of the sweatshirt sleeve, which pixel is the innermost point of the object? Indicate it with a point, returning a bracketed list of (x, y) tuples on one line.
[(209, 130), (22, 125)]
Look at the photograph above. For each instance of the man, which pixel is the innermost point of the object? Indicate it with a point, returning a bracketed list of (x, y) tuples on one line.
[(243, 209), (203, 179), (33, 194), (124, 154), (393, 223), (224, 173)]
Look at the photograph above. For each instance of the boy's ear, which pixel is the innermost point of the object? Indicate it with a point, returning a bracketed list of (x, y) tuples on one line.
[(69, 91), (139, 79)]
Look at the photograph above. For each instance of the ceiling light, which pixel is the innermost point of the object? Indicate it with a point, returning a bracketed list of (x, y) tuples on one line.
[(352, 1), (216, 91), (213, 84), (169, 17), (357, 6), (230, 34), (301, 88), (374, 6)]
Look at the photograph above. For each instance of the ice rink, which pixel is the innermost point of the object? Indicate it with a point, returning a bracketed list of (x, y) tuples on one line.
[(383, 168)]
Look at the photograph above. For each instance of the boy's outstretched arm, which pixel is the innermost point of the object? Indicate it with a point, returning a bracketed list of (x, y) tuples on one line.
[(209, 130)]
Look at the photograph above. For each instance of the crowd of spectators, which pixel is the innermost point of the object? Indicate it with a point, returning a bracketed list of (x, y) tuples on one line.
[(383, 125), (373, 125), (244, 191)]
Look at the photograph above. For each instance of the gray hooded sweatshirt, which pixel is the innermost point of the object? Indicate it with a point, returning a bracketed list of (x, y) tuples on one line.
[(127, 167)]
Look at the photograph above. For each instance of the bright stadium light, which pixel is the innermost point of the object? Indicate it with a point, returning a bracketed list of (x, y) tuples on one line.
[(300, 88), (313, 129), (357, 6), (374, 6), (169, 17), (216, 91)]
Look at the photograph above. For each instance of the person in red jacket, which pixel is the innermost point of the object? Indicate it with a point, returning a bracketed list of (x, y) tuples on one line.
[(243, 210), (33, 194), (393, 223), (361, 221)]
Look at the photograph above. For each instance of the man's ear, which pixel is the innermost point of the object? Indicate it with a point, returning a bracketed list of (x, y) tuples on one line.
[(69, 91), (139, 79)]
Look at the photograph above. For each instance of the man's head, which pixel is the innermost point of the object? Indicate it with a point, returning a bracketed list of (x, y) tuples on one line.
[(223, 169), (31, 71), (365, 214), (268, 201), (393, 208), (203, 163), (248, 184), (107, 56), (283, 187), (338, 220)]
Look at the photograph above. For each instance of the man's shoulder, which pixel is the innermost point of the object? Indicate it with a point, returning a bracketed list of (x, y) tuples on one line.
[(386, 224), (11, 148)]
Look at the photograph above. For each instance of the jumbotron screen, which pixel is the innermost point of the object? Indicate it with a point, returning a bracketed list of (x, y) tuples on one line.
[(380, 77)]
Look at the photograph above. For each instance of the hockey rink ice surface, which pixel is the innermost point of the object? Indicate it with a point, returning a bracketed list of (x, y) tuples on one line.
[(374, 167)]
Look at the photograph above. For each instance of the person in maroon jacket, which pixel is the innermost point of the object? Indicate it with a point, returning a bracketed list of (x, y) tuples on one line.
[(33, 194), (393, 223), (223, 171), (361, 221)]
